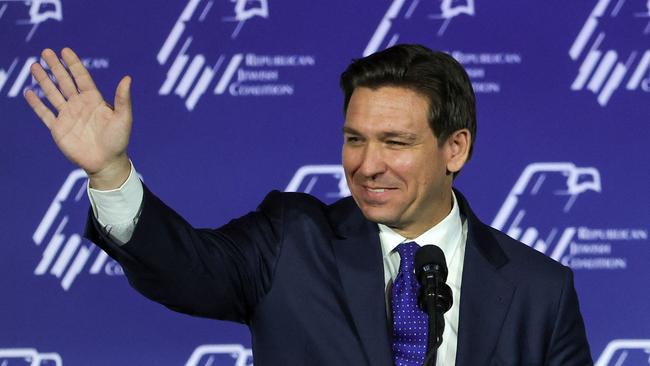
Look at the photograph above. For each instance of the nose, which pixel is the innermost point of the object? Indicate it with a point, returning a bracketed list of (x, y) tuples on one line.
[(372, 162)]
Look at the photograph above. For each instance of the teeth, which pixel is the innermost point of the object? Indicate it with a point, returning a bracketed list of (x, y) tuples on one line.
[(376, 190)]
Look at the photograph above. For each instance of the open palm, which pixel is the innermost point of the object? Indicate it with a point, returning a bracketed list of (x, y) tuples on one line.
[(89, 131)]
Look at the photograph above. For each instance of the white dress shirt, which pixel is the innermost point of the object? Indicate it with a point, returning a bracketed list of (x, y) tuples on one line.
[(450, 235), (118, 211)]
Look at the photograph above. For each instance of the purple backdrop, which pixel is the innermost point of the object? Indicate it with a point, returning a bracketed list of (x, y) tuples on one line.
[(235, 98)]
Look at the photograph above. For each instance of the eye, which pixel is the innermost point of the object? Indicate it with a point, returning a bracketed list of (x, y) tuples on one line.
[(352, 139), (396, 143)]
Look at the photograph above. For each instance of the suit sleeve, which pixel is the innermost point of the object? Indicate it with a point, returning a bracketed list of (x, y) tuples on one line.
[(220, 274), (568, 344)]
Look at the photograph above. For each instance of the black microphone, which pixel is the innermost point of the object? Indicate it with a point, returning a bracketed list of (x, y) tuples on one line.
[(435, 295)]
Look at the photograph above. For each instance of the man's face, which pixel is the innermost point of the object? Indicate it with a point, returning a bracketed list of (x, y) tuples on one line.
[(395, 169)]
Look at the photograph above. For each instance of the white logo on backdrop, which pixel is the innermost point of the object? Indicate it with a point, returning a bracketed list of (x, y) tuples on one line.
[(221, 354), (404, 22), (645, 14), (238, 74), (606, 67), (550, 190), (14, 71), (65, 255), (449, 9), (23, 75), (623, 352), (313, 179), (31, 13), (29, 356), (38, 11), (247, 9)]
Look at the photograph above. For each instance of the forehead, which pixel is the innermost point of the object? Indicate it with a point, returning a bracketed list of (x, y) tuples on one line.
[(387, 107)]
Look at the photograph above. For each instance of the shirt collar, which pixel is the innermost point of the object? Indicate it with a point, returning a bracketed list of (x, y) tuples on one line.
[(445, 234)]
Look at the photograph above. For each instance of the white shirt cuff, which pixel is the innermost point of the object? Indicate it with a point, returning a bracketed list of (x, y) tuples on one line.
[(118, 206)]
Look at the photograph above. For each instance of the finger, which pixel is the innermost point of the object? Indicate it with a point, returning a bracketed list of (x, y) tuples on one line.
[(60, 73), (41, 110), (51, 92), (123, 96), (79, 72)]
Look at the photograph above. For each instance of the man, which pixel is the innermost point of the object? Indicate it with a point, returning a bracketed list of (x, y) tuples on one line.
[(332, 285)]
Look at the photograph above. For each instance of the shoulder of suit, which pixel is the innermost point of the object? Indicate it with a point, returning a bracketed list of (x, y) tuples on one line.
[(307, 208), (524, 259), (292, 201), (293, 205)]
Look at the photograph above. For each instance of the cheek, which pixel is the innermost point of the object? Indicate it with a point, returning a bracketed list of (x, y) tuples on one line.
[(405, 166)]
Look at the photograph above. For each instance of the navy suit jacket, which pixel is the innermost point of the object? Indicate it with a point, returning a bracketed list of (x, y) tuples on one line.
[(307, 278)]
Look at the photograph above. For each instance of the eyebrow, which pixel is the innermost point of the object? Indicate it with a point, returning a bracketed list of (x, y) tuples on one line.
[(351, 131), (384, 135), (402, 135)]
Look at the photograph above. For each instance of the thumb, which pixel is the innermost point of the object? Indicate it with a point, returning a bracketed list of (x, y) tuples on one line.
[(123, 96)]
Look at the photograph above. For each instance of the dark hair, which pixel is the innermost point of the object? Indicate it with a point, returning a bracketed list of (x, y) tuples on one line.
[(435, 75)]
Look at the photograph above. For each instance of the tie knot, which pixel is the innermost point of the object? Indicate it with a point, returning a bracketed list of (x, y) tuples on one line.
[(407, 255)]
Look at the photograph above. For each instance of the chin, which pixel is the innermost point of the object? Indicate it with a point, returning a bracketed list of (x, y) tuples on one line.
[(378, 215)]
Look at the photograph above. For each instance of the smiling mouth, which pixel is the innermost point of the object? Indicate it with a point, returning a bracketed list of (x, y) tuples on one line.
[(376, 190), (375, 196)]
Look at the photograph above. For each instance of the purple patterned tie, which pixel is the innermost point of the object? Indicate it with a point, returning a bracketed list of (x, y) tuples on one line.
[(409, 322)]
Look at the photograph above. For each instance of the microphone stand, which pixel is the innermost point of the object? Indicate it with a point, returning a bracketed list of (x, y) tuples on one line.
[(436, 322), (435, 296)]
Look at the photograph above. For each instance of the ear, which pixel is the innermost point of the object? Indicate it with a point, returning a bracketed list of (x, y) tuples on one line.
[(457, 148)]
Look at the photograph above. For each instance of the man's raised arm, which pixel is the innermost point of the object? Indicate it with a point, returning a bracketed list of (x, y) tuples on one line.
[(94, 135)]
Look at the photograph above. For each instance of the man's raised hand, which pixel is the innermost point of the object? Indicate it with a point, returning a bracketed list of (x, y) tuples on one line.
[(88, 131)]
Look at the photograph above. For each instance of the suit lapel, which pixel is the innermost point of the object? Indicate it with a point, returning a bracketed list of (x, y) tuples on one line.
[(485, 294), (360, 265)]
